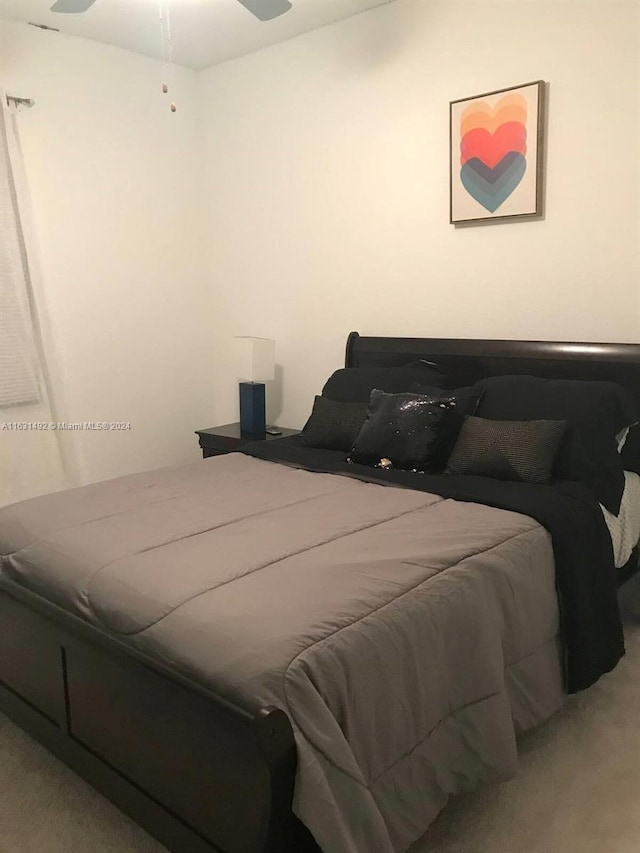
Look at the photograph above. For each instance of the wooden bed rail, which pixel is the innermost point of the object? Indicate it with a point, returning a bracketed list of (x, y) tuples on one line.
[(196, 771), (466, 361)]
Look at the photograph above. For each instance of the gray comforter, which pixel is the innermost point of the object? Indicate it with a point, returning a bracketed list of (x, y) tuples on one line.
[(408, 637)]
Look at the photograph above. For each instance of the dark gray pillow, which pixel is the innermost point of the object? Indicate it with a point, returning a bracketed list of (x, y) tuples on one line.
[(595, 413), (401, 431), (333, 425), (507, 450)]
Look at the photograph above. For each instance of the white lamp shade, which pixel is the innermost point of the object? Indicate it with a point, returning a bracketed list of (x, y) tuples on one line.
[(255, 359)]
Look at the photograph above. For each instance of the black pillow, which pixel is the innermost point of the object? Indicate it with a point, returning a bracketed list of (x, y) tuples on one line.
[(595, 413), (333, 425), (507, 450), (465, 401), (401, 431), (355, 384)]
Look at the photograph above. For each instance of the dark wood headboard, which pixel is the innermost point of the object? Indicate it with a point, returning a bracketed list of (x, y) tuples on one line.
[(467, 360)]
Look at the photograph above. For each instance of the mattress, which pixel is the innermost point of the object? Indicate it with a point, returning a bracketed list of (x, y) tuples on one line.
[(408, 637)]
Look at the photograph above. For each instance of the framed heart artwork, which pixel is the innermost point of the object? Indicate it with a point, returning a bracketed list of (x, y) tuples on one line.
[(496, 154)]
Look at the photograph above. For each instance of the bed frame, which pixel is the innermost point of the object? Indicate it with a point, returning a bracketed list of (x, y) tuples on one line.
[(196, 771)]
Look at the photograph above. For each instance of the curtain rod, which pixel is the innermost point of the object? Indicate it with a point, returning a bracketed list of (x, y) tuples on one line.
[(20, 102)]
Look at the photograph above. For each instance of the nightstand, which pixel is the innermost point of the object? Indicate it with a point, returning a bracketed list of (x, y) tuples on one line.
[(225, 439)]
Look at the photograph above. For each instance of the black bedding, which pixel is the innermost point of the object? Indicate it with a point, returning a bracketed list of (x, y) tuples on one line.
[(585, 573)]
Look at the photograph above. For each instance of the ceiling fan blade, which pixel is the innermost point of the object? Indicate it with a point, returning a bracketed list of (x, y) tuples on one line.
[(72, 6), (266, 10)]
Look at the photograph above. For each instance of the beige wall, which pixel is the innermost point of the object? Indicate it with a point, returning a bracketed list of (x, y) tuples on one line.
[(327, 161), (117, 196)]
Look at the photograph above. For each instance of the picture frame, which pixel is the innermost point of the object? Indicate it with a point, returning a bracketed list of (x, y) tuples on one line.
[(496, 151)]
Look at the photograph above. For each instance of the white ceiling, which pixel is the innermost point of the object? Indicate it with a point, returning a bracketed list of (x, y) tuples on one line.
[(203, 32)]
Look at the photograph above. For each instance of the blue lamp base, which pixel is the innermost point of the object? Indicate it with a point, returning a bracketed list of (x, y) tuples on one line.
[(252, 408)]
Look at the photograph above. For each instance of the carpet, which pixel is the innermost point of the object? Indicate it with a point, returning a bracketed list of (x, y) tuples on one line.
[(577, 791)]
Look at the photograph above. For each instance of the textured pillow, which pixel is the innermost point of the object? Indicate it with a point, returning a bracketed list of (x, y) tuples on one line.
[(355, 384), (333, 425), (507, 450), (595, 413), (401, 431)]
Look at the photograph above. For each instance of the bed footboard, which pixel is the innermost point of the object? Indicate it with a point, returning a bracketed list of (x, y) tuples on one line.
[(197, 772)]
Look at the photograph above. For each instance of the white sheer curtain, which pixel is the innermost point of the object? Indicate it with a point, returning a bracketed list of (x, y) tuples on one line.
[(33, 456)]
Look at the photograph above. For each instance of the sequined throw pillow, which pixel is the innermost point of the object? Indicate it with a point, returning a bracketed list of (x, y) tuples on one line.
[(401, 431), (465, 402), (507, 450), (333, 425)]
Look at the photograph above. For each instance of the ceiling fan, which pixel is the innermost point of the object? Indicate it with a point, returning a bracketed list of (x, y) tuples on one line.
[(264, 10)]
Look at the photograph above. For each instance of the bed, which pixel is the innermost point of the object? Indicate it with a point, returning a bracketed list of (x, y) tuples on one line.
[(212, 750)]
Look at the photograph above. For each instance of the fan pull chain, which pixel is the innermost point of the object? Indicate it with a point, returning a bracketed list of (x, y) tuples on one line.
[(167, 45)]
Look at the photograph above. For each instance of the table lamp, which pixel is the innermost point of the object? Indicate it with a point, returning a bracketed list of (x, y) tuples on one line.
[(256, 365)]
